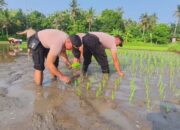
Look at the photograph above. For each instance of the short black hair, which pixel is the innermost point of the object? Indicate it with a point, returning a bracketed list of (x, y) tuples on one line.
[(121, 38), (76, 41)]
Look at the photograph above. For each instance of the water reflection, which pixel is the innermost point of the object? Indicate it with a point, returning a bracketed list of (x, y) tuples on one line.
[(167, 118), (5, 58), (46, 106)]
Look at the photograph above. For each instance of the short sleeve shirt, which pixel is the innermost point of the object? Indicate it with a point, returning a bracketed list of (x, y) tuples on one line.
[(53, 39), (106, 40)]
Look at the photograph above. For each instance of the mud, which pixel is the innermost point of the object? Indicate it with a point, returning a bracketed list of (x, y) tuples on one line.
[(56, 106)]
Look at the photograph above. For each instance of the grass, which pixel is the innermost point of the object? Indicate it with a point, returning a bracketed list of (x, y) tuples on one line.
[(174, 47), (152, 47), (131, 46)]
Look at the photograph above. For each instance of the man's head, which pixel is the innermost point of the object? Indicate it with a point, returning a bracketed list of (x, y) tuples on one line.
[(73, 43), (119, 40)]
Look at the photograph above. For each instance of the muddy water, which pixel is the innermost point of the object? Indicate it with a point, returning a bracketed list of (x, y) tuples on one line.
[(56, 106)]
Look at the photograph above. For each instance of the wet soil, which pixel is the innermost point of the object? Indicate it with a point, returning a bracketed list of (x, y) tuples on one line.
[(56, 106)]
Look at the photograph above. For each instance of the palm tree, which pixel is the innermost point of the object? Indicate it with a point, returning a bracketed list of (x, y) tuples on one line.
[(153, 20), (90, 17), (177, 14), (2, 3), (6, 20), (74, 9), (144, 22)]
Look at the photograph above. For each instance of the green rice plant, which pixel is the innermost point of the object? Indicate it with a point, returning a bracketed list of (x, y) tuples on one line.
[(114, 90), (171, 76), (113, 94), (141, 63), (155, 60), (102, 85), (147, 89), (161, 89), (117, 84), (134, 65), (99, 90), (78, 87), (149, 60), (88, 85), (132, 90), (75, 83)]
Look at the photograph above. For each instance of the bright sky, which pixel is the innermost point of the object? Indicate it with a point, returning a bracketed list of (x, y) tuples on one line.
[(133, 9)]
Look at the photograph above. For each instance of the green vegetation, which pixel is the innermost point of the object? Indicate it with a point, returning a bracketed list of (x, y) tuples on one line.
[(152, 47), (75, 20), (76, 65), (174, 47)]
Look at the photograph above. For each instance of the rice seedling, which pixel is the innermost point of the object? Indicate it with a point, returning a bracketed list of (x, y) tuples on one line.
[(115, 88), (132, 90), (78, 87), (161, 89), (113, 94), (99, 90), (147, 89), (88, 85)]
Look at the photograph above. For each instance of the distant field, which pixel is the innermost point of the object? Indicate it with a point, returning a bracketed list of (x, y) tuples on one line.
[(5, 45), (133, 46), (153, 47)]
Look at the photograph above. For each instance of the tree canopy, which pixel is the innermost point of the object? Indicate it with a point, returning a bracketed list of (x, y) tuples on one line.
[(76, 20)]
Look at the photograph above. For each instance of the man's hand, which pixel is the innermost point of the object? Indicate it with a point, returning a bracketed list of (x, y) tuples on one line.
[(65, 79), (121, 74), (68, 65)]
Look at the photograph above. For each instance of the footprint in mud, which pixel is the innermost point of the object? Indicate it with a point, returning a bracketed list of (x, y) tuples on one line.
[(3, 92), (9, 103), (11, 73), (14, 78)]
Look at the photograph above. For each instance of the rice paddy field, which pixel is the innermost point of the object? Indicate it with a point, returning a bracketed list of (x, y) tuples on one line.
[(147, 98)]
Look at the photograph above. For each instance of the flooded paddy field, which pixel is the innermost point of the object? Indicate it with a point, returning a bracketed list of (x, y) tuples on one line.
[(147, 98)]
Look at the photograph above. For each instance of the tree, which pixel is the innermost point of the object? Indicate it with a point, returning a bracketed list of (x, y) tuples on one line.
[(74, 10), (111, 19), (35, 19), (59, 20), (2, 4), (132, 30), (18, 21), (177, 14), (6, 20), (144, 23), (75, 16), (161, 34), (148, 22), (90, 18), (152, 21)]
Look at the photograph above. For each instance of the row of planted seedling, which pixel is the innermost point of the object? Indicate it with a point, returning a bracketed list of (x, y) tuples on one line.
[(145, 65)]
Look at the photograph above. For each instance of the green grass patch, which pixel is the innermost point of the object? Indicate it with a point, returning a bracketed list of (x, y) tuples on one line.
[(153, 47), (145, 46), (131, 45), (174, 47)]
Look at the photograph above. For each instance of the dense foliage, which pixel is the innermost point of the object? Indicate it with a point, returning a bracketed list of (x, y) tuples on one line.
[(75, 20)]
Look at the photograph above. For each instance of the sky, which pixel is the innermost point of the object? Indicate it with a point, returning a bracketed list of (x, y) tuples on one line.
[(132, 9)]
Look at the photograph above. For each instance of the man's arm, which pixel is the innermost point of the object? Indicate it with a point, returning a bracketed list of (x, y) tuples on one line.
[(22, 33), (50, 64), (116, 63)]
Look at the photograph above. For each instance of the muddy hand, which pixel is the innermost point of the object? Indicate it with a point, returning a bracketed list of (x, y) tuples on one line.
[(121, 74), (65, 79)]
